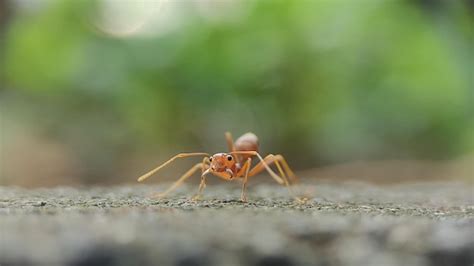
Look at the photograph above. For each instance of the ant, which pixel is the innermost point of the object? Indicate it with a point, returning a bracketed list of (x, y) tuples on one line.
[(235, 164)]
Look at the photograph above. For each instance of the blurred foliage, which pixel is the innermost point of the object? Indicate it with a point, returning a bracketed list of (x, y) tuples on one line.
[(320, 81)]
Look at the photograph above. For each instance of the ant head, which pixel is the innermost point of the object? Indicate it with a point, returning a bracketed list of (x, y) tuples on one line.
[(220, 162)]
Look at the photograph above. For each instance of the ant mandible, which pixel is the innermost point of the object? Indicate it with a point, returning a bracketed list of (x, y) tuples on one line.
[(236, 164)]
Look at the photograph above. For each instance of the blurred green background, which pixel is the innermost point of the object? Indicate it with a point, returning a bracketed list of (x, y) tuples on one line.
[(101, 91)]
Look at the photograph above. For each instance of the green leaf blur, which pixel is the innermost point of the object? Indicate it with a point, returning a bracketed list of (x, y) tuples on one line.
[(319, 81)]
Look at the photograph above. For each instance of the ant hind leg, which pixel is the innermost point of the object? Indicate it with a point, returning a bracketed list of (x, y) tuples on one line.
[(278, 160)]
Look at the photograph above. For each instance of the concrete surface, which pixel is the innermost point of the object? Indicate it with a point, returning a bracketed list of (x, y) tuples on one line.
[(343, 224)]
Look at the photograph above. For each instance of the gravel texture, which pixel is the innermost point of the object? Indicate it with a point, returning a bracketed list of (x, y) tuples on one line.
[(340, 224)]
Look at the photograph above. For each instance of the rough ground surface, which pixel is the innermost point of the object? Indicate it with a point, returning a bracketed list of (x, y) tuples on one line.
[(344, 224)]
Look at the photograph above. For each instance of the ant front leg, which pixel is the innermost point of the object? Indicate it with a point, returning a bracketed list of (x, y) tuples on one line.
[(180, 155), (202, 185), (246, 168), (181, 180)]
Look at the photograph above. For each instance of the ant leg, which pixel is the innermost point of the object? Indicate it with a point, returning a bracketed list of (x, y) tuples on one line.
[(279, 162), (181, 155), (268, 160), (180, 181), (262, 163), (230, 141), (202, 185), (272, 159), (292, 177), (287, 168), (246, 168)]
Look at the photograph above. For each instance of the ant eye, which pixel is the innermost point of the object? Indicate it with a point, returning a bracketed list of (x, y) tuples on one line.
[(229, 158)]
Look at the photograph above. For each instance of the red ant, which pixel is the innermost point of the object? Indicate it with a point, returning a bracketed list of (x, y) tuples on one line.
[(235, 164)]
